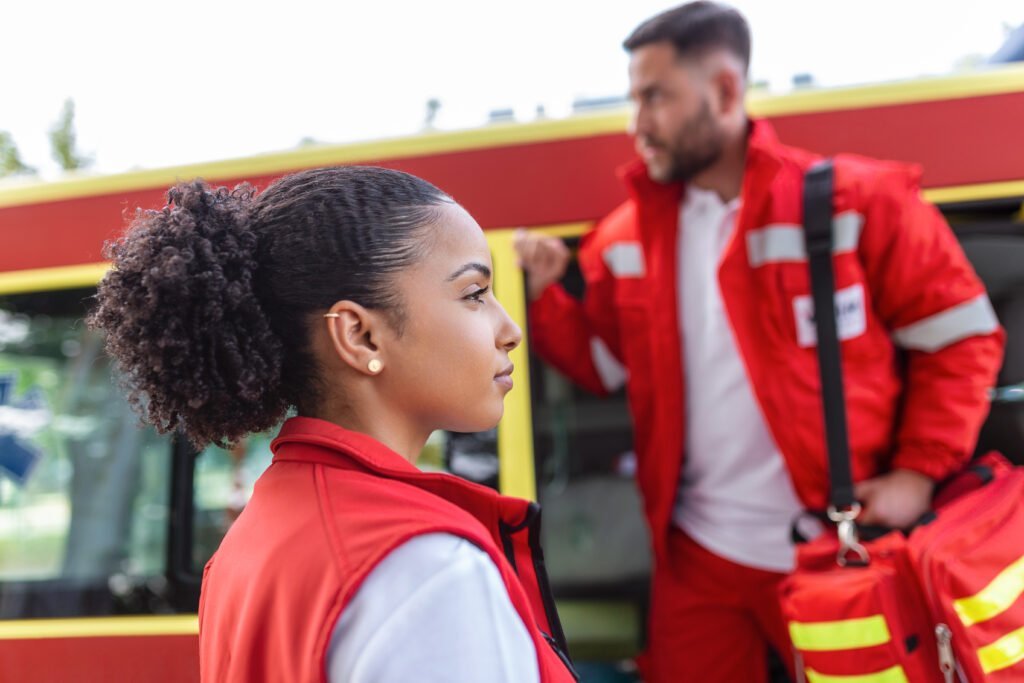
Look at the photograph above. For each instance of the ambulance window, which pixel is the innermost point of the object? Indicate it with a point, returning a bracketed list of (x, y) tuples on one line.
[(595, 541), (224, 481), (83, 488)]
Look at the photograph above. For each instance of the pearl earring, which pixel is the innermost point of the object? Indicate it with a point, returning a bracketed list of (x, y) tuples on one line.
[(375, 366)]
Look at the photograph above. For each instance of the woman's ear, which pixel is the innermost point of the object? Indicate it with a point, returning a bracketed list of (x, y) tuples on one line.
[(355, 334)]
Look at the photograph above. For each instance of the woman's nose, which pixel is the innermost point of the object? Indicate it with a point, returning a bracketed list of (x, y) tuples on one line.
[(509, 334)]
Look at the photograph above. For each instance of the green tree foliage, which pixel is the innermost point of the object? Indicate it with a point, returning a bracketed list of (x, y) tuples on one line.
[(63, 140), (10, 159)]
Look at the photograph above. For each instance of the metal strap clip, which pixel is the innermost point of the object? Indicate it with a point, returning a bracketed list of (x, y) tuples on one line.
[(851, 552)]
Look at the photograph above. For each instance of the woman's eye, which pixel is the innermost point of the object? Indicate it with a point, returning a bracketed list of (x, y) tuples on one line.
[(477, 296)]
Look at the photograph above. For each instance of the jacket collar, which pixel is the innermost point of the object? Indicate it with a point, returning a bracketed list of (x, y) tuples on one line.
[(363, 449), (762, 163)]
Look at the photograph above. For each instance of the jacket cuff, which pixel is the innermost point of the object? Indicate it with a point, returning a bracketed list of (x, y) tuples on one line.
[(934, 460), (549, 305)]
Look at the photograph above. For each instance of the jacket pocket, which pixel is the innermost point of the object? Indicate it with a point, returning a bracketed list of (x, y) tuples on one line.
[(852, 306)]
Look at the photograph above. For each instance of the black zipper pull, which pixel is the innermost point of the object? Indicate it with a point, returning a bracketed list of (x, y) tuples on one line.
[(561, 655)]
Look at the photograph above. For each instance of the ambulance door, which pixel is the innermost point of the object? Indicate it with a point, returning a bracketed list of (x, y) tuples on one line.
[(595, 541)]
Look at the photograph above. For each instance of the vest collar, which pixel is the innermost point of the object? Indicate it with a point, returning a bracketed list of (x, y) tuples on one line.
[(335, 446), (363, 449)]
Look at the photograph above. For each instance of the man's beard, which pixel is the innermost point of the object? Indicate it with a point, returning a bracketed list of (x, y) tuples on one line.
[(698, 145)]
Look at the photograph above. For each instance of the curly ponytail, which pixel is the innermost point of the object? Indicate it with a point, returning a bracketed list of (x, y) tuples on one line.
[(183, 321)]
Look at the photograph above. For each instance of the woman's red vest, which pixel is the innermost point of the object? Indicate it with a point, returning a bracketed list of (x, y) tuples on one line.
[(332, 504)]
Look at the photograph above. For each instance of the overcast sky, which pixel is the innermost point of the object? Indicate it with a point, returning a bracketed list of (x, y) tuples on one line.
[(157, 84)]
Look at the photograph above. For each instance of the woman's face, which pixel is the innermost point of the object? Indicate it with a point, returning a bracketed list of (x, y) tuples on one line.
[(450, 367)]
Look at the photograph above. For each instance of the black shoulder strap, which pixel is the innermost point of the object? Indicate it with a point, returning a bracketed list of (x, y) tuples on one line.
[(818, 186)]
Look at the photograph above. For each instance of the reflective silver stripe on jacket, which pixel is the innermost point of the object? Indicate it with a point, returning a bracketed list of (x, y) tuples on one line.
[(968, 319), (609, 369), (625, 259), (784, 242)]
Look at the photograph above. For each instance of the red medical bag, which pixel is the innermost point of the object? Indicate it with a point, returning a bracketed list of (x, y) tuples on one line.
[(970, 562), (943, 605)]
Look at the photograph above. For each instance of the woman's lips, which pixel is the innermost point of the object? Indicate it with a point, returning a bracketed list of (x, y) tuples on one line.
[(504, 378)]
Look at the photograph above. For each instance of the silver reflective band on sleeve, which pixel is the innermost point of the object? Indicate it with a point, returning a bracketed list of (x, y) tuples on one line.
[(784, 242), (625, 259), (1011, 394), (973, 317), (609, 369)]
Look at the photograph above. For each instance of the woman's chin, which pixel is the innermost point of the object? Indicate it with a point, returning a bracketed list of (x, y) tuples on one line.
[(478, 423)]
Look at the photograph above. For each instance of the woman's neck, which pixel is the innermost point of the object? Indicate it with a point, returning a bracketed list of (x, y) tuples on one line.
[(387, 427)]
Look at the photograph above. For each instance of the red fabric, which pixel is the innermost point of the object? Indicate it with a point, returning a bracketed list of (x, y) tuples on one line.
[(333, 504), (972, 541), (914, 585), (924, 416), (822, 591), (711, 619), (981, 472), (100, 659)]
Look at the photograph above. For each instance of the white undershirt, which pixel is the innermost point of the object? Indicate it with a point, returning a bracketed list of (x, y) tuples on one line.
[(435, 610), (735, 496)]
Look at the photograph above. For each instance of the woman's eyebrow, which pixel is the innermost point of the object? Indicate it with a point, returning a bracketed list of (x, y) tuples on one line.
[(479, 267)]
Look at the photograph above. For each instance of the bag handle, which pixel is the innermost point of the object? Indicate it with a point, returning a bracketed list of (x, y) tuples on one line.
[(818, 239)]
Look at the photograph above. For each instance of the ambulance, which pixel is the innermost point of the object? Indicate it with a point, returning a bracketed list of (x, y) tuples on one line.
[(105, 525)]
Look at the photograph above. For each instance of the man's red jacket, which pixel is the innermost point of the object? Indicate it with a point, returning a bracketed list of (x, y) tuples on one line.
[(902, 281)]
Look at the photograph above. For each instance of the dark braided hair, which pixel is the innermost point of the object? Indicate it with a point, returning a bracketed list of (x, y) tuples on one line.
[(208, 305)]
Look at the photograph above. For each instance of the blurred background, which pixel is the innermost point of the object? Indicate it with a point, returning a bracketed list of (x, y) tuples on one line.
[(157, 85), (518, 110)]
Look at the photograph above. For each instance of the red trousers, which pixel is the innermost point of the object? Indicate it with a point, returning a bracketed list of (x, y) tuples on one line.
[(711, 620)]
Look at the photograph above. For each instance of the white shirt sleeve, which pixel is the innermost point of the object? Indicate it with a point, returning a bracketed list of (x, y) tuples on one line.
[(435, 610)]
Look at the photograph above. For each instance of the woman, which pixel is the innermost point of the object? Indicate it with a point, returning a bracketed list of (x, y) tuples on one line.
[(361, 299)]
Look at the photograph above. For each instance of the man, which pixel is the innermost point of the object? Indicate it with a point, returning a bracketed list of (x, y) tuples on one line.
[(699, 286)]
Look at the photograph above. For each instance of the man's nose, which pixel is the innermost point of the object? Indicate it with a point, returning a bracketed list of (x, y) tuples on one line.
[(639, 123), (634, 120)]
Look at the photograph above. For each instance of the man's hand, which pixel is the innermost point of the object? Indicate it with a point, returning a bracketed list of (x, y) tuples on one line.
[(543, 258), (896, 500)]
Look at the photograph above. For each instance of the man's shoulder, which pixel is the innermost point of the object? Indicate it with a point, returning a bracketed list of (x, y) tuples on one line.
[(857, 177), (619, 225), (871, 175)]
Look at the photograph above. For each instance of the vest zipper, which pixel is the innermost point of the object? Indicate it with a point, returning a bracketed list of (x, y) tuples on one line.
[(531, 522), (561, 655)]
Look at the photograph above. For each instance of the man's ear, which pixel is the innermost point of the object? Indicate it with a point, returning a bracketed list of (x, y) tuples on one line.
[(728, 82), (355, 335)]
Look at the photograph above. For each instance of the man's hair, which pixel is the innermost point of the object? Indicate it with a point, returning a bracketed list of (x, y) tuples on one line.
[(694, 29)]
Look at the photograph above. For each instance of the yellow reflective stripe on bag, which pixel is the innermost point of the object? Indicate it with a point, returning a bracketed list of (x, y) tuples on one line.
[(893, 675), (995, 598), (846, 634), (1003, 653)]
